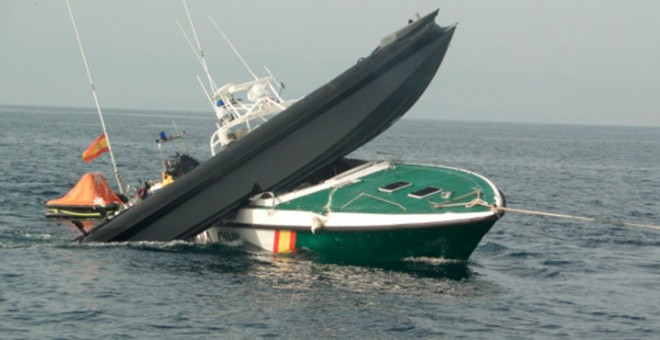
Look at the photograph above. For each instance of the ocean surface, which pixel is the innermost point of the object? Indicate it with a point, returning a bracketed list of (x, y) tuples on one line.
[(531, 277)]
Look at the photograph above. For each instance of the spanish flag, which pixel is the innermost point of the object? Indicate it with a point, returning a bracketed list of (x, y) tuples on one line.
[(98, 146), (284, 242)]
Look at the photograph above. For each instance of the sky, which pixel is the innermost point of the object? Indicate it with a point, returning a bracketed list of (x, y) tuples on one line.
[(568, 62)]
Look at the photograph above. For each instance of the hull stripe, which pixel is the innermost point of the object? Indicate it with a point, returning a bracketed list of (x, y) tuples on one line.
[(284, 241)]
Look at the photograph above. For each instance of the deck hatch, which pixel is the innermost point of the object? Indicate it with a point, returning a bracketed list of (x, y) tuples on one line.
[(421, 193), (392, 187)]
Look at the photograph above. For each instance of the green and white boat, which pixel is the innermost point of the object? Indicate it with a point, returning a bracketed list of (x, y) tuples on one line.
[(371, 212)]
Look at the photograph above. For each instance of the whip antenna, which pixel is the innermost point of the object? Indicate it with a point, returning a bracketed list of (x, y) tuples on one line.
[(200, 51), (233, 48), (96, 99)]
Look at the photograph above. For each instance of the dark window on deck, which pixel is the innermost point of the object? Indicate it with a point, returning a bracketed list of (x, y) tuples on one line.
[(421, 193), (392, 187)]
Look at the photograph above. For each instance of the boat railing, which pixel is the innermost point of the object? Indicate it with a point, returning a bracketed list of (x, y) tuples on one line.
[(348, 177), (241, 108)]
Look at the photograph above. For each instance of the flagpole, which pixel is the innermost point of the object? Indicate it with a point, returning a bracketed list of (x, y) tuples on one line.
[(96, 99)]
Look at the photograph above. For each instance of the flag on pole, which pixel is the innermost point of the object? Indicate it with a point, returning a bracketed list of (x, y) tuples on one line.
[(98, 146)]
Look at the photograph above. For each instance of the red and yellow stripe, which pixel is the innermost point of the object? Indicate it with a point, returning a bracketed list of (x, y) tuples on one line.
[(285, 241), (98, 146)]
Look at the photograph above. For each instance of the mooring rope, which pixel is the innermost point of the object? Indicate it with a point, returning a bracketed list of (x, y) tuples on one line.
[(328, 206), (452, 202), (499, 210), (319, 222), (574, 217), (496, 209)]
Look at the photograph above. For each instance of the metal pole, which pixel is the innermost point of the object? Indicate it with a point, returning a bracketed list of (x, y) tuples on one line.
[(96, 100), (233, 48), (199, 47)]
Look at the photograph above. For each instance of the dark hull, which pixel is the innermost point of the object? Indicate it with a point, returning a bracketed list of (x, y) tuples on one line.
[(315, 132)]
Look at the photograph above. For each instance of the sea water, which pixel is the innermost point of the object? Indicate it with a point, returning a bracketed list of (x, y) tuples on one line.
[(530, 277)]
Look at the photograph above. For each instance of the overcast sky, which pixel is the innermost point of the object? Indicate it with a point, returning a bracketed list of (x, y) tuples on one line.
[(567, 61)]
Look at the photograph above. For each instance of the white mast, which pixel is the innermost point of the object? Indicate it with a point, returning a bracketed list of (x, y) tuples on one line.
[(96, 100)]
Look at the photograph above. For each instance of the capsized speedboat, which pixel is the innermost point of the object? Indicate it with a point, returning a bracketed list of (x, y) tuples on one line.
[(308, 136), (370, 212)]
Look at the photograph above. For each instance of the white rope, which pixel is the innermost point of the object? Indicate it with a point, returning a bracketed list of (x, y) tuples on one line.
[(328, 206), (450, 203), (574, 217), (498, 210), (375, 198)]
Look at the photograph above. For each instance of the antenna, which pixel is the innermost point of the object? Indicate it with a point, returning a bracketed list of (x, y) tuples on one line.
[(183, 137), (208, 96), (96, 99), (199, 47), (201, 62), (276, 92), (192, 47), (233, 48)]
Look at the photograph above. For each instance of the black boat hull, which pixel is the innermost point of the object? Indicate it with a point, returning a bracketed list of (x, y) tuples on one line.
[(315, 132)]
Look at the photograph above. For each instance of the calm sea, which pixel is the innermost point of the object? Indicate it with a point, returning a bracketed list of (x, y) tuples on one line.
[(531, 277)]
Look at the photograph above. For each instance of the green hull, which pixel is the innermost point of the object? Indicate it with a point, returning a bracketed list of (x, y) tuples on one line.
[(376, 212), (456, 242)]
